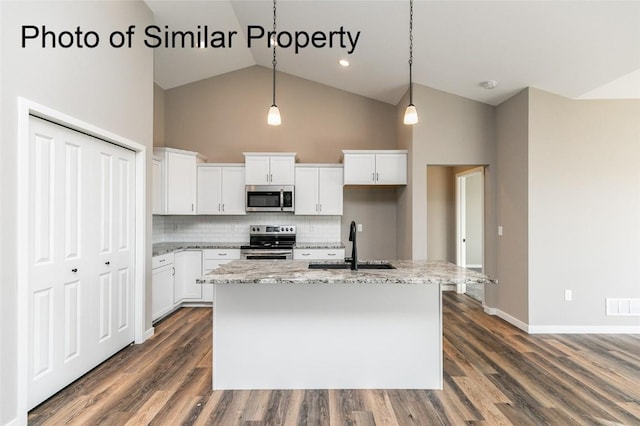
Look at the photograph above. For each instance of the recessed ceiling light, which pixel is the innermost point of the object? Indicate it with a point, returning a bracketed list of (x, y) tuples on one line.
[(344, 62), (489, 84)]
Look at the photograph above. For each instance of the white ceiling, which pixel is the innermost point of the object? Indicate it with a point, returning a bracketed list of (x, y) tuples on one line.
[(577, 49)]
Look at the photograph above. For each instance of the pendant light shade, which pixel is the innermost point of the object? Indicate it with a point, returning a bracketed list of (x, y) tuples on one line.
[(410, 114), (273, 119)]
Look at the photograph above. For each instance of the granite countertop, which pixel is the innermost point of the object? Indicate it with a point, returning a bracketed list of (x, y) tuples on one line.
[(297, 272), (163, 248)]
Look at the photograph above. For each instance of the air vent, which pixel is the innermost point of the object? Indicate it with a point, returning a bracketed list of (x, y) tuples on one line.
[(623, 307)]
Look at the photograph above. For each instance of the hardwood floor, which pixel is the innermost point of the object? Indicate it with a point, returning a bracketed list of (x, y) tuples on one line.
[(494, 374)]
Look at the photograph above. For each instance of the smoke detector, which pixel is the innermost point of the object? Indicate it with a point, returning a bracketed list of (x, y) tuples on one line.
[(489, 84)]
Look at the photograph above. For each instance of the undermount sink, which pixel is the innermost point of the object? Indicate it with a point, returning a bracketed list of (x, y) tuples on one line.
[(348, 266)]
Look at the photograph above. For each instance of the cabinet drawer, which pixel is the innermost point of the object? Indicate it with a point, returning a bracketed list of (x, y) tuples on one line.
[(221, 254), (162, 260), (318, 254)]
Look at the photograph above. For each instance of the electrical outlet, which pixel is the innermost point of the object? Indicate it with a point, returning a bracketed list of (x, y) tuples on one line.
[(568, 295), (359, 227), (499, 231)]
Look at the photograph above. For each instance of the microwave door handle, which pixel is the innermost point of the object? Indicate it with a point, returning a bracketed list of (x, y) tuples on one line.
[(281, 199)]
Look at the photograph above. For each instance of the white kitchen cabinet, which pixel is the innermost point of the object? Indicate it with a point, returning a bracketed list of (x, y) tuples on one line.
[(319, 190), (270, 168), (179, 177), (188, 264), (158, 206), (162, 285), (318, 254), (382, 167), (221, 189), (213, 259)]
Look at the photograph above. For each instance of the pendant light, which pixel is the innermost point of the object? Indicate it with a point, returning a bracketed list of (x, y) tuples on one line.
[(410, 114), (273, 118)]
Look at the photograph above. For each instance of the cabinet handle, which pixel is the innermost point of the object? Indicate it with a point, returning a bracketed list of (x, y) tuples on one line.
[(222, 254), (306, 254), (270, 178), (377, 177), (331, 254), (162, 260), (222, 206), (373, 176), (267, 177), (174, 272), (191, 206), (107, 263), (319, 208), (74, 270), (219, 207)]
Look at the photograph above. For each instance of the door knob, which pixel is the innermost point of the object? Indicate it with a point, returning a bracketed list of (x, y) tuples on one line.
[(74, 270), (107, 263)]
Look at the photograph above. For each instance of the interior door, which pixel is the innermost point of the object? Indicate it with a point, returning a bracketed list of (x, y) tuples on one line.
[(60, 277), (115, 255)]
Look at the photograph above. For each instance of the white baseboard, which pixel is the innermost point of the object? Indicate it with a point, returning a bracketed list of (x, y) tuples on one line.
[(562, 329), (472, 265), (584, 329), (505, 316), (13, 422), (147, 334)]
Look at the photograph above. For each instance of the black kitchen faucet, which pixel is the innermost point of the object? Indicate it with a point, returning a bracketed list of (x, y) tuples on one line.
[(354, 250)]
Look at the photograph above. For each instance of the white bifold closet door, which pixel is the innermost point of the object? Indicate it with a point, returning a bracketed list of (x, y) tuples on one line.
[(81, 254)]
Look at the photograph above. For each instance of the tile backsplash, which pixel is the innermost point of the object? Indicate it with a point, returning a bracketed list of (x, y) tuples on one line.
[(236, 228)]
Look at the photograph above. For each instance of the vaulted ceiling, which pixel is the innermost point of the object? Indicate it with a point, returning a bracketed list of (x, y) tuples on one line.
[(577, 49)]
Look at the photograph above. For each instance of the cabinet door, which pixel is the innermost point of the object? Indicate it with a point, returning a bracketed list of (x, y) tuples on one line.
[(188, 266), (391, 169), (233, 192), (257, 170), (158, 192), (359, 169), (209, 190), (282, 170), (306, 198), (181, 183), (330, 191), (161, 291)]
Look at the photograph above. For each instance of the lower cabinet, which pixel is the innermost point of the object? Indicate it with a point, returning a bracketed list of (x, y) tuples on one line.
[(213, 259), (318, 254), (188, 269), (162, 285)]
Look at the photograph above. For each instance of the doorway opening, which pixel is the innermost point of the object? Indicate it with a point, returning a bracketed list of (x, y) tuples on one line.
[(455, 219)]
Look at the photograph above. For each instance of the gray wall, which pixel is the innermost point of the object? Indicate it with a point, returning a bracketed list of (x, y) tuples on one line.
[(512, 208), (223, 116), (452, 131), (109, 88), (584, 205), (158, 116)]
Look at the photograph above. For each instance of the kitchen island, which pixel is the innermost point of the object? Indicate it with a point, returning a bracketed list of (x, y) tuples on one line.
[(280, 325)]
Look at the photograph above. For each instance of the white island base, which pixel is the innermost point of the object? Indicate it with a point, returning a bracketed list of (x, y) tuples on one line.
[(327, 336)]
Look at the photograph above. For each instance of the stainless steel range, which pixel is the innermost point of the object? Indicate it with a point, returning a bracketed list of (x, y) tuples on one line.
[(270, 242)]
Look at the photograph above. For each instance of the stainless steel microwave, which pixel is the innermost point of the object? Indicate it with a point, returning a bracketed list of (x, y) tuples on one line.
[(269, 198)]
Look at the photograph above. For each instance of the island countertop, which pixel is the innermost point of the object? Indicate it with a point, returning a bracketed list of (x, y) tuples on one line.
[(298, 272)]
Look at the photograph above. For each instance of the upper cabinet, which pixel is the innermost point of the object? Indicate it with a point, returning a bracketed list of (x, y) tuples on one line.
[(381, 167), (272, 168), (221, 189), (318, 190), (179, 179)]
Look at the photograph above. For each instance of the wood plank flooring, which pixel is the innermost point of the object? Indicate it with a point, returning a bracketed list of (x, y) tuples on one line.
[(494, 374)]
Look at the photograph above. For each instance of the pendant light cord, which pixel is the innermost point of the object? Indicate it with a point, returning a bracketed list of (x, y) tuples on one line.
[(410, 51), (274, 62)]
